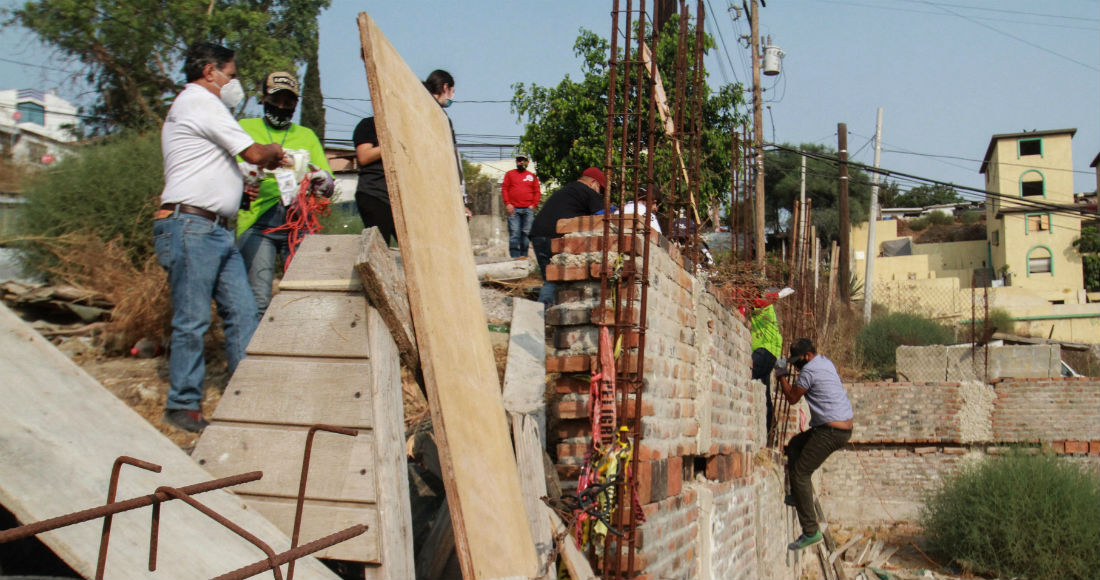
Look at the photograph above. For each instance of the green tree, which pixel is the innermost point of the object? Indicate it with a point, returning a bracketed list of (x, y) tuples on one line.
[(1088, 245), (926, 195), (565, 125), (480, 188), (313, 103), (783, 182), (133, 50)]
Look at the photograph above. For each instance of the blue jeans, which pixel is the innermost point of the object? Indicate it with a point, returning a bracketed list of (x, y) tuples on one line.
[(203, 264), (260, 250), (519, 231), (542, 256)]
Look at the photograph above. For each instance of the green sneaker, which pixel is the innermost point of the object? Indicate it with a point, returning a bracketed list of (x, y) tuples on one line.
[(805, 541)]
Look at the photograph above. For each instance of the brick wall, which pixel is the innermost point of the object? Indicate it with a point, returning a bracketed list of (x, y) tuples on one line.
[(909, 436), (711, 511)]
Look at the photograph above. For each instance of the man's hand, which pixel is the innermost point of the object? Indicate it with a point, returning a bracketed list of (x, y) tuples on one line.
[(510, 209), (265, 156), (781, 368), (321, 182), (251, 190)]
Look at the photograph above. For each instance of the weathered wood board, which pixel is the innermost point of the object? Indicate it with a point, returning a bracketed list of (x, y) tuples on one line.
[(479, 466), (321, 355), (60, 433), (384, 283)]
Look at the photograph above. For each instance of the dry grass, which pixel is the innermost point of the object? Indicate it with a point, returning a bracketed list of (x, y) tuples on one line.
[(142, 302)]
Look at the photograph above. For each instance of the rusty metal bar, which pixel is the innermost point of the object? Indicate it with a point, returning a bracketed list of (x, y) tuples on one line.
[(180, 495), (118, 507), (300, 505), (294, 553), (112, 489)]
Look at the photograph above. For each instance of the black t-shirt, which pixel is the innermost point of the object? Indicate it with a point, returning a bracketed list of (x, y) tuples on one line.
[(573, 200), (372, 177)]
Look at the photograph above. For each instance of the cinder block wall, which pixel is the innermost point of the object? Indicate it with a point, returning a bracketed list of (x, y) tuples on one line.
[(712, 500), (909, 436)]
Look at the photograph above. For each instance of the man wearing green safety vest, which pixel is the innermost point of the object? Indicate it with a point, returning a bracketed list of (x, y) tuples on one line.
[(259, 245), (767, 343)]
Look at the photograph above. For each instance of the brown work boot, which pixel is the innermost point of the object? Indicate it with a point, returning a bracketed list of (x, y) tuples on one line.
[(186, 419)]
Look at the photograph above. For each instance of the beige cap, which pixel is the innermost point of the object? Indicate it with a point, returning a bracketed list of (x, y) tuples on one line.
[(281, 81)]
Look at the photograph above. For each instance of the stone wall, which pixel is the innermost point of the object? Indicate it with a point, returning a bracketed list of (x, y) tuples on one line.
[(712, 499)]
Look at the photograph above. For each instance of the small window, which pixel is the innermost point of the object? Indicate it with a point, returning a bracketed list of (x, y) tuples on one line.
[(1031, 147), (1057, 302), (1031, 184), (31, 113), (1038, 222), (996, 239), (1038, 261)]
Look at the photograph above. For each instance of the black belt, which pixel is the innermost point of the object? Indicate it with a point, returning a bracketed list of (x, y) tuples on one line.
[(192, 210), (833, 429)]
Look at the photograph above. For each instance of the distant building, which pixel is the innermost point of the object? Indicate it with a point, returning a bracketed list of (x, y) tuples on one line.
[(34, 126)]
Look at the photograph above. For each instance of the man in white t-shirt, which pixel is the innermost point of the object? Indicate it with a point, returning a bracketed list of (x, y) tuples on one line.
[(202, 193)]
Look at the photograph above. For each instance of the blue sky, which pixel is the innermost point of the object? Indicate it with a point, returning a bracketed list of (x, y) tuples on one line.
[(948, 73)]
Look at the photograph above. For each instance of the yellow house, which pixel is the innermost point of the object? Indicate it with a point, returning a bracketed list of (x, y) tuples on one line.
[(1031, 177)]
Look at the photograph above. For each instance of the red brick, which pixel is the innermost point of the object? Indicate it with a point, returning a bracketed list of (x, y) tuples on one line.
[(572, 409), (738, 470), (1077, 447), (580, 224), (569, 429), (571, 384), (720, 467), (646, 453), (643, 474), (1094, 448), (572, 450), (560, 273), (675, 475), (568, 364), (1058, 447)]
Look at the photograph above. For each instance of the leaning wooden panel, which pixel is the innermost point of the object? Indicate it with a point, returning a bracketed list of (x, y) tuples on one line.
[(313, 324), (342, 466), (297, 391), (479, 467), (60, 433)]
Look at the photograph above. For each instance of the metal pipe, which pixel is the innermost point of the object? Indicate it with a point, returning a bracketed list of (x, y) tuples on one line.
[(294, 554)]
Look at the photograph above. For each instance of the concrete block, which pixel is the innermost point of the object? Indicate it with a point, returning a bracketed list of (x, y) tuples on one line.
[(922, 363), (1032, 361)]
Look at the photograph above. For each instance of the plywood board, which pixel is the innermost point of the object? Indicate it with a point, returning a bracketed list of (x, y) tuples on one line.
[(479, 467), (342, 466), (320, 519), (312, 324), (64, 431), (326, 263), (269, 390)]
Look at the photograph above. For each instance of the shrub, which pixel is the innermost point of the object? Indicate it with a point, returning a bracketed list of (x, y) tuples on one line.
[(971, 217), (879, 339), (1000, 320), (108, 191), (919, 224), (939, 218), (1018, 516)]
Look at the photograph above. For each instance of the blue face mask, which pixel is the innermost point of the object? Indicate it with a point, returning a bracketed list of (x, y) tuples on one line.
[(447, 103)]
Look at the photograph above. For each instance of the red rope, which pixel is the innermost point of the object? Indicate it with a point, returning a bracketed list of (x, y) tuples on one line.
[(302, 217)]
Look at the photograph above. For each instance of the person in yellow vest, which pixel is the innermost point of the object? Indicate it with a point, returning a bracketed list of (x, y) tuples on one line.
[(767, 343), (259, 246)]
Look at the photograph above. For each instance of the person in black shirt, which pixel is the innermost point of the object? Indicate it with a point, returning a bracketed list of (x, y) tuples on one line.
[(581, 197), (372, 197)]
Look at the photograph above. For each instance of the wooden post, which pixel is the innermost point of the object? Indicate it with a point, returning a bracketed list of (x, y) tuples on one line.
[(845, 217)]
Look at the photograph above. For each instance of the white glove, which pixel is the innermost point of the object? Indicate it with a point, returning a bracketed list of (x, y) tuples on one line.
[(321, 182), (781, 368)]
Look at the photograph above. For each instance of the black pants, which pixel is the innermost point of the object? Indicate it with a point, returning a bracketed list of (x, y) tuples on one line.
[(376, 213), (763, 361), (805, 453)]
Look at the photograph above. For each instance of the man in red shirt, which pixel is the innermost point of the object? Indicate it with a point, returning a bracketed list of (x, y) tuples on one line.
[(521, 196)]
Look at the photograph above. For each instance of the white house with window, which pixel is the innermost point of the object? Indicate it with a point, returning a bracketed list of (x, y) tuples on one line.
[(34, 126)]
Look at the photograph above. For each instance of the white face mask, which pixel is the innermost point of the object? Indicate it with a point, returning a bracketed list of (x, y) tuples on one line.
[(231, 93)]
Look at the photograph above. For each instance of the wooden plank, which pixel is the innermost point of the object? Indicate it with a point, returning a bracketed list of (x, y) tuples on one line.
[(322, 518), (384, 284), (525, 429), (324, 262), (343, 467), (394, 505), (479, 467), (525, 372), (313, 324), (63, 430), (503, 270), (270, 390), (571, 556)]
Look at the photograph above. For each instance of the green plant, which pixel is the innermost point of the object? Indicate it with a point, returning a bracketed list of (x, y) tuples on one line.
[(971, 217), (919, 224), (939, 218), (1088, 245), (1019, 515), (108, 190), (1000, 320), (343, 218), (878, 341)]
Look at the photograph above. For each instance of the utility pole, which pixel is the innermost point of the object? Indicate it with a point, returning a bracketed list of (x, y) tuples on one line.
[(872, 219), (845, 219), (757, 135)]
